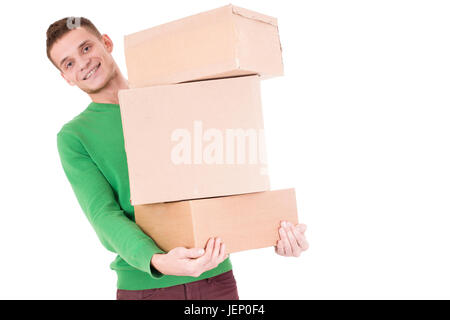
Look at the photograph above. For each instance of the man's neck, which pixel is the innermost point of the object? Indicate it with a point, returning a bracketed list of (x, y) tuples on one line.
[(109, 94)]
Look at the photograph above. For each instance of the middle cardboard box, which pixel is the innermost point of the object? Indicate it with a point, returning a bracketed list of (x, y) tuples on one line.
[(194, 140)]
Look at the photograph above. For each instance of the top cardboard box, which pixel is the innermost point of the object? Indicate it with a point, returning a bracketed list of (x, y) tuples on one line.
[(224, 42)]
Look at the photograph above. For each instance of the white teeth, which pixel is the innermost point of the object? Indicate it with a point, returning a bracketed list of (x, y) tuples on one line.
[(90, 73)]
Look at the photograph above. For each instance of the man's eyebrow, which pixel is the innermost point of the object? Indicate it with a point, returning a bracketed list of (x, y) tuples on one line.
[(81, 45)]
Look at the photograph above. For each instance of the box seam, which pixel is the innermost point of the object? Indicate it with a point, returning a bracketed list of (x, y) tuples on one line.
[(236, 11), (236, 40), (194, 235)]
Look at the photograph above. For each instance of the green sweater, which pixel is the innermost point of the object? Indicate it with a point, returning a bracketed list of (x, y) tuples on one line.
[(92, 152)]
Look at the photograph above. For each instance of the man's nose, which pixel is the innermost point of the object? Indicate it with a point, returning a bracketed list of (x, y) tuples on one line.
[(84, 63)]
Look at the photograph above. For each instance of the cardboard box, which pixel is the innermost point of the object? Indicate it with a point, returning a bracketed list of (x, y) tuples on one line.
[(224, 42), (243, 222), (194, 140)]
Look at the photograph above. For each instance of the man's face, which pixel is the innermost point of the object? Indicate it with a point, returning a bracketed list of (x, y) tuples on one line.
[(84, 60)]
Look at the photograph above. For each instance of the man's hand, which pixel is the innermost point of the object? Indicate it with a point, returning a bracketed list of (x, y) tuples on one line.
[(190, 262), (292, 240)]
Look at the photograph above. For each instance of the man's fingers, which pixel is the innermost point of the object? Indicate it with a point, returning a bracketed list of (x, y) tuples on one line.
[(222, 253), (292, 240), (285, 241), (209, 248), (193, 253), (294, 245), (218, 254), (304, 244), (206, 257), (299, 236), (212, 253), (216, 250), (279, 249), (223, 250)]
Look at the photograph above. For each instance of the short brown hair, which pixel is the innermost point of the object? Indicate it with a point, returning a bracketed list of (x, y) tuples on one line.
[(59, 28)]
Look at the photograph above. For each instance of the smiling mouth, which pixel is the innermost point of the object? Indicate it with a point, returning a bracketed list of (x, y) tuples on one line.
[(92, 72)]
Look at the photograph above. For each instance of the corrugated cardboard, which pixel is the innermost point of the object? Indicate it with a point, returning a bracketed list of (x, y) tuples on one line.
[(151, 116), (224, 42), (243, 222)]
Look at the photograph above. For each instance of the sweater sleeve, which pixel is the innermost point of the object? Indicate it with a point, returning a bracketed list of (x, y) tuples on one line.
[(115, 230)]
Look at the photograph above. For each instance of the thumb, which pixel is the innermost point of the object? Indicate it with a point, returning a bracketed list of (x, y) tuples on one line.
[(192, 253)]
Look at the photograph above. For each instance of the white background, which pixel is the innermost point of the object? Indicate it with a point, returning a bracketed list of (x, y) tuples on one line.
[(359, 125)]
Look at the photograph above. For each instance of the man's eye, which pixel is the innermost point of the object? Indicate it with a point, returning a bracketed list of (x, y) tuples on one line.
[(86, 49), (69, 65)]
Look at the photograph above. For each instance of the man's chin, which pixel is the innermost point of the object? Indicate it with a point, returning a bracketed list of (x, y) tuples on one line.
[(94, 90)]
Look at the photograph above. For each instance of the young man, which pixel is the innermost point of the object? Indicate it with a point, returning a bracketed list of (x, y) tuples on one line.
[(93, 157)]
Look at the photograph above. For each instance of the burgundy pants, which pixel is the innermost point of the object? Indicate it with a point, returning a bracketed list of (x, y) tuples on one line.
[(221, 287)]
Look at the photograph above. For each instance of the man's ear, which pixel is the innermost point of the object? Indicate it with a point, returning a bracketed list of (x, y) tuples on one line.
[(65, 78), (107, 42)]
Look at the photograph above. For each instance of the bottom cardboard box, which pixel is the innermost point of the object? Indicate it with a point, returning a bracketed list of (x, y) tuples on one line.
[(243, 222)]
